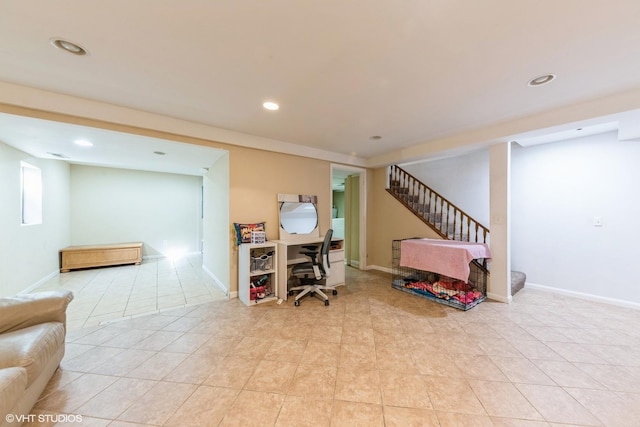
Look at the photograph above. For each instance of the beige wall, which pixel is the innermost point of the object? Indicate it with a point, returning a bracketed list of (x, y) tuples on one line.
[(256, 177), (388, 220)]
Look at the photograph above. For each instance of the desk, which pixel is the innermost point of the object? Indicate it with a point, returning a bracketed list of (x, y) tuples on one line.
[(289, 255)]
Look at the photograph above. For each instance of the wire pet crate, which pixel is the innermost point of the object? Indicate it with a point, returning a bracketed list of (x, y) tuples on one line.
[(439, 288)]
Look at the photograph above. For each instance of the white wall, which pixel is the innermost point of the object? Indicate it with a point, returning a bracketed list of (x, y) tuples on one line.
[(464, 180), (216, 253), (118, 205), (557, 190), (29, 254)]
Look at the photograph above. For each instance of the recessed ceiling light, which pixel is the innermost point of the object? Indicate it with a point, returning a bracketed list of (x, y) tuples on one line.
[(541, 80), (272, 106), (83, 143), (68, 46), (375, 137), (159, 153)]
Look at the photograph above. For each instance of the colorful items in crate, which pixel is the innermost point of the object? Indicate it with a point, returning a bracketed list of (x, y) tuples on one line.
[(260, 288), (457, 289), (244, 231)]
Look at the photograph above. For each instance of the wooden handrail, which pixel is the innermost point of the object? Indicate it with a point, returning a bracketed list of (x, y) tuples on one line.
[(444, 217)]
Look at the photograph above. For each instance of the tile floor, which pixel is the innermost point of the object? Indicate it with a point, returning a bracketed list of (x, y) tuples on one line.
[(105, 294), (375, 357)]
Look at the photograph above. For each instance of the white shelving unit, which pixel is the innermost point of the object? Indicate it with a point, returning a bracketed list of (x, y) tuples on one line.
[(257, 263)]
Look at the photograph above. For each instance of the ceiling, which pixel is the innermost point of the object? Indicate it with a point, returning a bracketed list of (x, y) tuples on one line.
[(411, 72)]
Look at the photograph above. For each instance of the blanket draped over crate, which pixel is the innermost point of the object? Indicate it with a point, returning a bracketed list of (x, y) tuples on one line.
[(448, 257)]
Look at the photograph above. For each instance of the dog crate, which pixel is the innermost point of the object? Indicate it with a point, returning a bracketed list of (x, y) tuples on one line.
[(438, 287)]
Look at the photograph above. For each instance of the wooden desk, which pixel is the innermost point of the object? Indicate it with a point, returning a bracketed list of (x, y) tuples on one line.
[(289, 255), (74, 257)]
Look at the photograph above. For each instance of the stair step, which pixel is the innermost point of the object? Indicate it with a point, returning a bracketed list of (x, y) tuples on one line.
[(517, 281)]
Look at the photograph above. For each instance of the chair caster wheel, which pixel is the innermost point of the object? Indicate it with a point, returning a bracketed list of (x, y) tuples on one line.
[(290, 293), (326, 302), (296, 303), (335, 292)]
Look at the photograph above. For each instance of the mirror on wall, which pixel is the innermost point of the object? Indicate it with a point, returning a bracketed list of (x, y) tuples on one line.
[(298, 214)]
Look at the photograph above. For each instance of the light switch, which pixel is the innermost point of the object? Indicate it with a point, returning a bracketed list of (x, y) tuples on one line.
[(597, 221)]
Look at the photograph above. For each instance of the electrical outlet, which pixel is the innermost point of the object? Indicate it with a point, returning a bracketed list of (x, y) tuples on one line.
[(597, 221)]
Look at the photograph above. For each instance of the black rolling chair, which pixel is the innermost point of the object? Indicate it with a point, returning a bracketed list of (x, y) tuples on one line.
[(313, 274)]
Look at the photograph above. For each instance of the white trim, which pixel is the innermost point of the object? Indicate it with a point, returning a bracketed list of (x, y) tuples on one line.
[(355, 263), (233, 295), (499, 298), (580, 295), (40, 282), (218, 282), (377, 267)]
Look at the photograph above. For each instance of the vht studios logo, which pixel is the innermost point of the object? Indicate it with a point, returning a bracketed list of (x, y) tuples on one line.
[(42, 418)]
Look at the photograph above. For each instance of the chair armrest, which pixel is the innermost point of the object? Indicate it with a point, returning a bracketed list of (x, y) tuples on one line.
[(22, 311)]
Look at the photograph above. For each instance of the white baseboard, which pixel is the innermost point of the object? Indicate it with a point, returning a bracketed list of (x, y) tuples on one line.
[(499, 298), (377, 267), (355, 264), (217, 282), (40, 282), (580, 295), (233, 295)]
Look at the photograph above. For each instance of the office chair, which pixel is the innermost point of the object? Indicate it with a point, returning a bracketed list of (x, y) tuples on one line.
[(313, 274)]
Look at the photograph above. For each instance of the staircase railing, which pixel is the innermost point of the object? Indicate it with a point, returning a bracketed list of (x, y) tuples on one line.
[(445, 218)]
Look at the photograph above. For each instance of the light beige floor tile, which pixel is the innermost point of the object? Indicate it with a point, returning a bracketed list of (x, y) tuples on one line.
[(286, 350), (358, 385), (314, 381), (194, 369), (613, 409), (477, 367), (72, 395), (453, 395), (321, 353), (91, 359), (299, 411), (272, 376), (358, 356), (454, 419), (394, 358), (128, 338), (158, 404), (158, 340), (253, 348), (187, 343), (326, 333), (39, 418), (207, 406), (574, 352), (115, 399), (401, 417), (404, 390), (513, 422), (157, 366), (565, 374), (520, 370), (504, 400), (615, 378), (349, 414), (59, 379), (231, 372), (556, 405), (123, 363), (267, 409)]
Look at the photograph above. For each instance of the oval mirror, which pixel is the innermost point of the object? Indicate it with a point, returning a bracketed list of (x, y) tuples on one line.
[(298, 217)]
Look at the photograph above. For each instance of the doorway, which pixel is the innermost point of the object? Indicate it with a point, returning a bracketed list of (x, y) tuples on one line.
[(348, 212)]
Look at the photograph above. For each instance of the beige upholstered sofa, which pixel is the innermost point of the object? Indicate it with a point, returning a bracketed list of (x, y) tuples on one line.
[(32, 334)]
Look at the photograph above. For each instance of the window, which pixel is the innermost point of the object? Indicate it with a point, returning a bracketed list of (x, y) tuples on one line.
[(31, 194)]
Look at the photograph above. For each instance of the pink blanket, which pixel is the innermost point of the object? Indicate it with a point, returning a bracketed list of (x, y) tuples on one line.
[(448, 257)]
